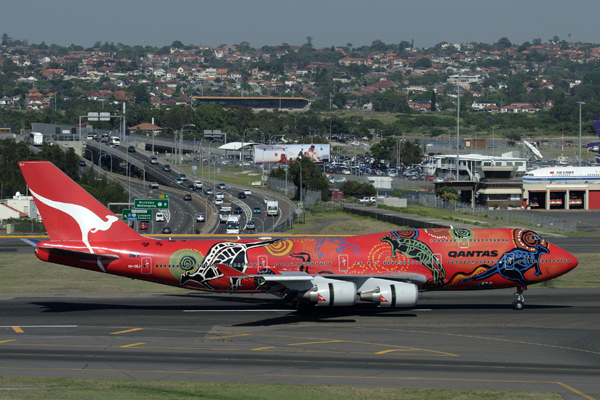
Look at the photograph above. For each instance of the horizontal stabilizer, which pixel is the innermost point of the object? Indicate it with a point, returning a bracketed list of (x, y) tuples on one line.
[(79, 254), (32, 242)]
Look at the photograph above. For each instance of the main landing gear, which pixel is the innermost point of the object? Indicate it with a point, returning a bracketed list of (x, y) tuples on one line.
[(518, 304)]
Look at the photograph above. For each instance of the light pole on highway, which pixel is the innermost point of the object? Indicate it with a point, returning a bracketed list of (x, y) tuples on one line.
[(244, 140), (580, 104), (183, 127)]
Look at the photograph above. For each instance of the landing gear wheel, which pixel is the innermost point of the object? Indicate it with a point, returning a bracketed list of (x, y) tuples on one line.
[(303, 307), (518, 305)]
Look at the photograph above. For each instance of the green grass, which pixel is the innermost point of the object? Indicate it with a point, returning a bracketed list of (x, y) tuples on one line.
[(22, 273), (340, 223), (101, 389)]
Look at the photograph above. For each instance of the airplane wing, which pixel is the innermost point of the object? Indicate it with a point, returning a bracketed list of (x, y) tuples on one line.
[(301, 281)]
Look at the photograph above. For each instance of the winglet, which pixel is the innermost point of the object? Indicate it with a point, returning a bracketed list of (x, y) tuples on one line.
[(597, 127)]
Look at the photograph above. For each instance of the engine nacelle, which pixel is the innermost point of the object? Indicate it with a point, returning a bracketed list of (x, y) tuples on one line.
[(331, 292), (399, 294)]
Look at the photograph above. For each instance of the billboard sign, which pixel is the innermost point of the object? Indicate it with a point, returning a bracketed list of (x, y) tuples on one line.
[(282, 153)]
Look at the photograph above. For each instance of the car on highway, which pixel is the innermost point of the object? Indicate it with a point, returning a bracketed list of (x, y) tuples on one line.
[(241, 195), (221, 186), (247, 192), (166, 230), (208, 191), (160, 217), (167, 168), (183, 177), (250, 226), (191, 187), (219, 195), (256, 210), (143, 226), (218, 202), (153, 160), (153, 185), (187, 197), (199, 217), (82, 163), (198, 184), (179, 181), (131, 149), (238, 210)]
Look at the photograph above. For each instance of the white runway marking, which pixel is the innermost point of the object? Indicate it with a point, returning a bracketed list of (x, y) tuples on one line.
[(237, 310)]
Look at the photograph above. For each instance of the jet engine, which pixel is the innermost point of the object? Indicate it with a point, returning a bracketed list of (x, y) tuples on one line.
[(400, 294), (330, 292)]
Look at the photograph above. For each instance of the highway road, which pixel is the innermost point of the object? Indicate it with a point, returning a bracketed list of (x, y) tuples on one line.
[(181, 216), (457, 340)]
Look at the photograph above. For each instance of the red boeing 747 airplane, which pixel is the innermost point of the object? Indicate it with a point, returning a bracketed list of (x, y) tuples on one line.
[(388, 269)]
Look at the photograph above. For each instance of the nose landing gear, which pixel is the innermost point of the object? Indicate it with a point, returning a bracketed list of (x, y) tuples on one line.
[(519, 303)]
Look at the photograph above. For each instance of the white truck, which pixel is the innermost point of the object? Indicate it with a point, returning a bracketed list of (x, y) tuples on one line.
[(224, 212), (233, 224), (272, 207)]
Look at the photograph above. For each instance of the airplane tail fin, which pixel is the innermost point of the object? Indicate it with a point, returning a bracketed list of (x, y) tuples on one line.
[(68, 211), (596, 127)]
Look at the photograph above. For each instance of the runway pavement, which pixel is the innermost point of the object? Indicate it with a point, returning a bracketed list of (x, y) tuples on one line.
[(470, 340)]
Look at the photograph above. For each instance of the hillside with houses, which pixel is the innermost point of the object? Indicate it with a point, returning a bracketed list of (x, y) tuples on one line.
[(547, 78)]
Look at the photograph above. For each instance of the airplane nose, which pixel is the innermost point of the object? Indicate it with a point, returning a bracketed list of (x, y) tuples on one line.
[(572, 261)]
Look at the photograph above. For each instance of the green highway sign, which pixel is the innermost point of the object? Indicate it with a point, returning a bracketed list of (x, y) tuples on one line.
[(152, 204), (137, 215)]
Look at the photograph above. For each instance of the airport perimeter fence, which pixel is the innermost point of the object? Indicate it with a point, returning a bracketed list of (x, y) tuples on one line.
[(309, 197), (505, 216)]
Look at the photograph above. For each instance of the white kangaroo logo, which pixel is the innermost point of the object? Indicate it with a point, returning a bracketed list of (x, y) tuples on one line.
[(87, 220)]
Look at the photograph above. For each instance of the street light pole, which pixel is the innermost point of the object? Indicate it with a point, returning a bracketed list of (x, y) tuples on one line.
[(580, 104), (243, 142), (181, 140), (299, 163)]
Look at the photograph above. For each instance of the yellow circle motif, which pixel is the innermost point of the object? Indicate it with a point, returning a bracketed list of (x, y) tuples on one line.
[(280, 249)]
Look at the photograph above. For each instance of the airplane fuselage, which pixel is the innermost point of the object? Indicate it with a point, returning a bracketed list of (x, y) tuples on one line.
[(450, 259)]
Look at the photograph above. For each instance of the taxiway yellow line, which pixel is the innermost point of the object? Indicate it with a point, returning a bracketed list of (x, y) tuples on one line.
[(322, 342), (6, 341), (575, 391), (230, 336), (17, 329), (262, 348), (127, 331), (133, 344)]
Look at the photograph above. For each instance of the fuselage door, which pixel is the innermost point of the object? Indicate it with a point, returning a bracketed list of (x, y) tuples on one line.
[(343, 262), (509, 261), (146, 265), (439, 260), (263, 262)]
